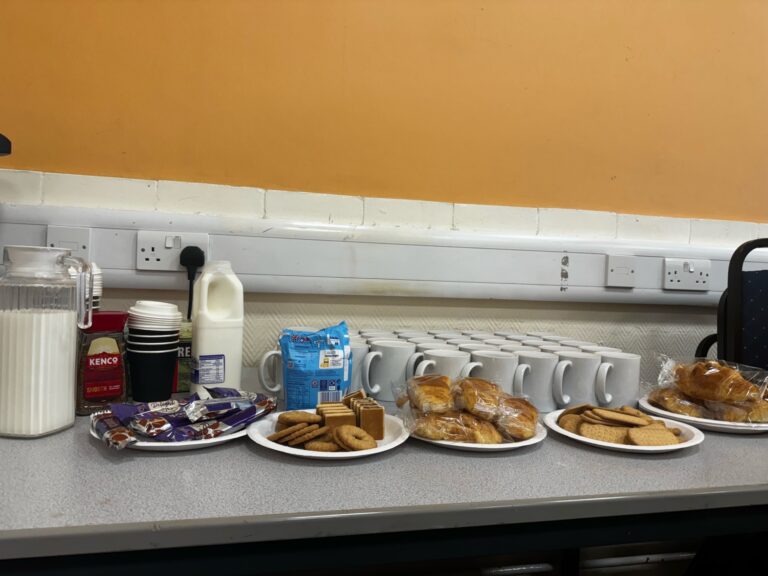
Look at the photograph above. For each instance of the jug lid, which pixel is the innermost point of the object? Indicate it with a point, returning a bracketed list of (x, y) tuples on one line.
[(35, 261)]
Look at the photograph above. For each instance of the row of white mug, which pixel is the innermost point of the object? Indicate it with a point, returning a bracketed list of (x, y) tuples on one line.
[(552, 371)]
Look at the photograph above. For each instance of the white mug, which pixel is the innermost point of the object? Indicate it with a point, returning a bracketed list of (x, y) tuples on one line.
[(576, 343), (451, 336), (436, 345), (409, 335), (445, 362), (555, 338), (472, 346), (598, 349), (461, 340), (516, 348), (538, 335), (533, 378), (359, 349), (618, 379), (420, 339), (266, 381), (498, 342), (381, 334), (574, 380), (534, 342), (482, 336), (471, 332), (512, 335), (435, 331), (493, 365), (387, 367), (555, 348), (405, 329)]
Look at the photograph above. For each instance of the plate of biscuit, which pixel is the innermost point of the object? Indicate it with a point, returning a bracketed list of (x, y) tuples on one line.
[(330, 432), (624, 429)]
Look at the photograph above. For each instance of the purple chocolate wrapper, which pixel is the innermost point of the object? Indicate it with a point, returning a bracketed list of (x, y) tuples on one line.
[(214, 428), (111, 431), (210, 408)]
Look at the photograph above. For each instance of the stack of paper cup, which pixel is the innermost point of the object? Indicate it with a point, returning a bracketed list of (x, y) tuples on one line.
[(153, 348)]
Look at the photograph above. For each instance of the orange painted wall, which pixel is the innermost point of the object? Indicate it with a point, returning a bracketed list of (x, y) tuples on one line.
[(640, 106)]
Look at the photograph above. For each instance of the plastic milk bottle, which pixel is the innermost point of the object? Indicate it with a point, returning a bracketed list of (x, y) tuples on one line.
[(217, 328)]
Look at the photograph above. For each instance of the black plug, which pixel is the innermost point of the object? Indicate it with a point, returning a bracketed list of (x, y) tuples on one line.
[(191, 258)]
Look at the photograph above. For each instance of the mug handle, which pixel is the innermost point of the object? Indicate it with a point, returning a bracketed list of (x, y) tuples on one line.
[(517, 382), (410, 368), (421, 368), (467, 370), (264, 378), (557, 383), (600, 384), (367, 374)]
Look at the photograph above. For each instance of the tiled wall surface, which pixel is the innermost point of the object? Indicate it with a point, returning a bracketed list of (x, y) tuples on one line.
[(22, 187)]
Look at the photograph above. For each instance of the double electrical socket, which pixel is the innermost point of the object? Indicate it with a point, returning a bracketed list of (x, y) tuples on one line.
[(687, 274), (160, 251)]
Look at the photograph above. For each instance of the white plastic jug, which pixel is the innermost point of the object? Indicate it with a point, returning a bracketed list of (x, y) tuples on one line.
[(217, 328)]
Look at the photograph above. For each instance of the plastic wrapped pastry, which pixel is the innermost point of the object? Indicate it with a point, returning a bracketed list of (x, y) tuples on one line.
[(430, 393), (456, 426)]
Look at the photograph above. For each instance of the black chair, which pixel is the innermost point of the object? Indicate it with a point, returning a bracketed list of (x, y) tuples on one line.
[(742, 314)]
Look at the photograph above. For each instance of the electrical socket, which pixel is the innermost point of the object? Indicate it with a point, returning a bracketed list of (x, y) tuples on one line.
[(160, 251), (687, 274), (77, 240)]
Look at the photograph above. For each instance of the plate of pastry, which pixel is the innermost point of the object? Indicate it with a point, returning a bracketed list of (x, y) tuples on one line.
[(711, 395), (330, 432), (691, 416), (624, 429), (502, 446), (472, 414)]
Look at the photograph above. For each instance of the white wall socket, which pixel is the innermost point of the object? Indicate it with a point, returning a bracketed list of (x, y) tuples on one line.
[(157, 250), (687, 274), (620, 271), (77, 240)]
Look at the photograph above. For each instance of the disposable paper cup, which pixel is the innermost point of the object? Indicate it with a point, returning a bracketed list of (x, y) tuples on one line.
[(152, 374)]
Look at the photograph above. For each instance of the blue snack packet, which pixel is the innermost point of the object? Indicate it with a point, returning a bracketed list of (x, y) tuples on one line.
[(316, 366)]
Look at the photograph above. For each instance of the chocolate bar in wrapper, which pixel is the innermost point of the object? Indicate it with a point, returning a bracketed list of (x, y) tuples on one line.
[(216, 392), (210, 408), (213, 429), (111, 430)]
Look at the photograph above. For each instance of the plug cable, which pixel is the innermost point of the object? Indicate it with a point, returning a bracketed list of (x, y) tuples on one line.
[(191, 258)]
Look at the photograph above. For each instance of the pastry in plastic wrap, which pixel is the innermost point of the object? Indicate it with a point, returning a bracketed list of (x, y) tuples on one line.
[(478, 397), (430, 393), (516, 418), (456, 426), (711, 380), (671, 399), (752, 412)]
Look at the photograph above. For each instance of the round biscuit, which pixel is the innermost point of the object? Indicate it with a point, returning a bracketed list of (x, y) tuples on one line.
[(286, 432), (298, 416), (308, 436)]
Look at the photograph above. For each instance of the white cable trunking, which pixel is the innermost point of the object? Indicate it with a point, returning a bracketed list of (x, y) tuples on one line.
[(295, 257)]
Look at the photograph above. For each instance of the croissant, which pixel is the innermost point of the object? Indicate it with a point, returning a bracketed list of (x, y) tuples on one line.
[(430, 393), (517, 418), (710, 380), (456, 427), (478, 397), (753, 412), (671, 399)]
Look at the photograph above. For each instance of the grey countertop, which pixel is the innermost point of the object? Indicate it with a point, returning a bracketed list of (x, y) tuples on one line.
[(68, 494)]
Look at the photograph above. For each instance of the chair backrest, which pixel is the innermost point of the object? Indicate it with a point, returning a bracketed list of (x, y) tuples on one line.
[(743, 314)]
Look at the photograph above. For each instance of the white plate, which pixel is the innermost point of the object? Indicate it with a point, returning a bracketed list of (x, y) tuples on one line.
[(541, 433), (180, 446), (705, 423), (691, 435), (394, 435)]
